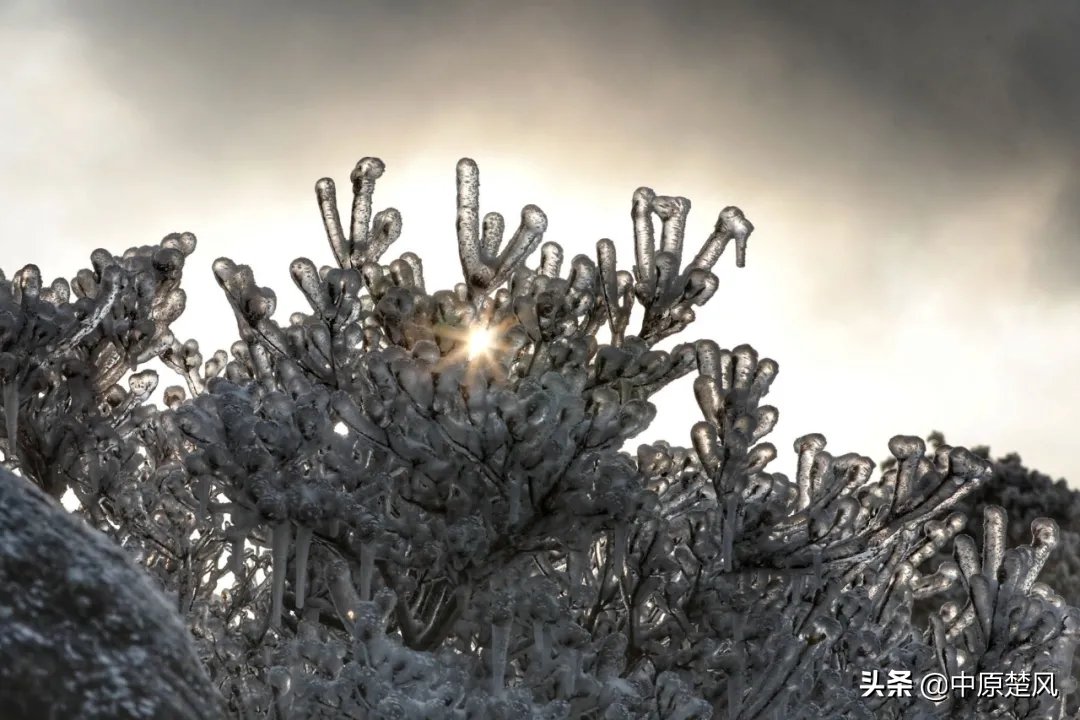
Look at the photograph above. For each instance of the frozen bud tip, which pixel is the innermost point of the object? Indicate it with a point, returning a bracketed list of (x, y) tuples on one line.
[(1045, 532), (467, 167), (967, 465), (369, 168), (904, 446), (669, 207), (224, 268), (949, 569), (814, 442), (731, 221), (533, 218), (185, 242)]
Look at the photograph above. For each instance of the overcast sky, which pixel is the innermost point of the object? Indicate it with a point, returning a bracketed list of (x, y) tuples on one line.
[(912, 167)]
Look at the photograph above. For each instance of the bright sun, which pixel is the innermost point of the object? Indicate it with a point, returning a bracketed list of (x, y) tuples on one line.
[(480, 342)]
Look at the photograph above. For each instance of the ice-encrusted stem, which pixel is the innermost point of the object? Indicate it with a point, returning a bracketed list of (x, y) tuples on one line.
[(11, 417), (202, 490), (281, 536), (500, 645), (994, 537), (477, 272), (730, 225), (620, 540), (326, 194), (576, 564), (523, 242), (110, 291), (367, 570), (513, 511), (491, 236), (281, 681), (363, 177), (644, 240), (808, 447), (567, 681), (236, 557), (343, 594), (672, 212), (386, 229), (303, 547)]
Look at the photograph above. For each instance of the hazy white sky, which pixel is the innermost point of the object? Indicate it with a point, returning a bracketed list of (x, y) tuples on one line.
[(913, 170)]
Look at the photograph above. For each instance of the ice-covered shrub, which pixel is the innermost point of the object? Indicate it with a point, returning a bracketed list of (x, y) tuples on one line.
[(420, 525)]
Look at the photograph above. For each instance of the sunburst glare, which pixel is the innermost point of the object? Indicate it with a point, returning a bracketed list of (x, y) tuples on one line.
[(481, 342)]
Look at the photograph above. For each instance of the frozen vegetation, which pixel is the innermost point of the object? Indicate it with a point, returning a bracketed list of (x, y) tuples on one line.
[(370, 513)]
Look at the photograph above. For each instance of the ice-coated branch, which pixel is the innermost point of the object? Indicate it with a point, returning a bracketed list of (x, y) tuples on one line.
[(731, 224), (368, 237), (483, 265)]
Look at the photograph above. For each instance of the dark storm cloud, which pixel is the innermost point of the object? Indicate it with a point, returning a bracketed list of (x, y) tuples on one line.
[(997, 81), (992, 73), (954, 94)]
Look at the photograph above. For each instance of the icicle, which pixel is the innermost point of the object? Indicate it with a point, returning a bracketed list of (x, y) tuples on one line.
[(618, 552), (202, 487), (576, 569), (735, 690), (343, 595), (513, 510), (540, 644), (11, 417), (303, 545), (281, 681), (367, 569), (567, 678), (282, 533), (500, 645), (237, 558)]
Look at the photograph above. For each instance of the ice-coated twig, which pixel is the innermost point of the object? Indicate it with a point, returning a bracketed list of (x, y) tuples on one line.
[(484, 267), (368, 237)]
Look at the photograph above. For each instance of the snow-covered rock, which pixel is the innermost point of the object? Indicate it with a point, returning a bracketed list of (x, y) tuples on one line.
[(83, 632)]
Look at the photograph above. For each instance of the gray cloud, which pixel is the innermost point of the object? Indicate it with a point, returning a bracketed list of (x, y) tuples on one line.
[(911, 167)]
